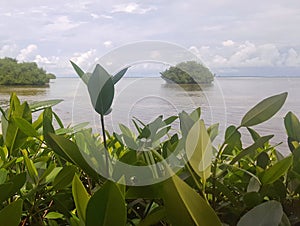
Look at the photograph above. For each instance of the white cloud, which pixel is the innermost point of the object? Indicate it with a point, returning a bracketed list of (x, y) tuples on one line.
[(293, 58), (85, 59), (27, 52), (94, 15), (61, 23), (228, 43), (131, 7), (107, 44)]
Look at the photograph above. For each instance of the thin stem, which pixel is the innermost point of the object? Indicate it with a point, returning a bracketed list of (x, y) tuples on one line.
[(105, 144)]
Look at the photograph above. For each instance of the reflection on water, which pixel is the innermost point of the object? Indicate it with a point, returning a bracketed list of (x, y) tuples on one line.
[(226, 101)]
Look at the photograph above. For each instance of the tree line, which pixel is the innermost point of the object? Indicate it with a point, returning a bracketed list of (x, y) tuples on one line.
[(13, 72)]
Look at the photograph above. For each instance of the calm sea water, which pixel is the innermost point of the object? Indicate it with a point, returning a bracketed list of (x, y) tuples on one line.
[(225, 102)]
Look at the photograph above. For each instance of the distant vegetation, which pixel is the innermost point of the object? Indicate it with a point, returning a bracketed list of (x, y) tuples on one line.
[(26, 73), (189, 72)]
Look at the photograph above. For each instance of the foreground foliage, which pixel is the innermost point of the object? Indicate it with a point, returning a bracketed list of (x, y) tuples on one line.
[(48, 172), (26, 73), (189, 72)]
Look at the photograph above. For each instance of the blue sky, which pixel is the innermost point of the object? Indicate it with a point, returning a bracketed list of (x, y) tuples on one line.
[(229, 36)]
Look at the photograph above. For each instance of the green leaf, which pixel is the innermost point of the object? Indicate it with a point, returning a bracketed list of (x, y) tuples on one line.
[(69, 151), (106, 207), (266, 214), (264, 110), (292, 126), (80, 73), (54, 215), (26, 127), (11, 214), (101, 90), (81, 198), (119, 75), (41, 105), (277, 170), (259, 143), (15, 138), (184, 206), (213, 131), (199, 150), (64, 177), (32, 171)]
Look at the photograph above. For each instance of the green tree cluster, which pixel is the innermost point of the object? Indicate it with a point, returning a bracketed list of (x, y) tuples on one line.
[(25, 73), (189, 72)]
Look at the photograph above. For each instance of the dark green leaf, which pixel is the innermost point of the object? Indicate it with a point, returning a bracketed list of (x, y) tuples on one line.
[(11, 214), (101, 90), (69, 150), (263, 160), (264, 110), (106, 207), (119, 75), (292, 126), (154, 217), (64, 177)]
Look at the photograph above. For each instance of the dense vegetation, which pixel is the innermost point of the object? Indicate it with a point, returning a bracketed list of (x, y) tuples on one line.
[(189, 72), (26, 73), (56, 175)]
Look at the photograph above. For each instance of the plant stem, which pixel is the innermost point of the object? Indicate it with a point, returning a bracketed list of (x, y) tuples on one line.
[(105, 145)]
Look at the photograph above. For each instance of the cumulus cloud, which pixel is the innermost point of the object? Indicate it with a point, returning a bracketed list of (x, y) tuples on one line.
[(228, 43), (85, 59), (26, 53), (131, 7), (247, 54)]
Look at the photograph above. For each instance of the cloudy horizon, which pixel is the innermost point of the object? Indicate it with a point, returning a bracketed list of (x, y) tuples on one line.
[(231, 37)]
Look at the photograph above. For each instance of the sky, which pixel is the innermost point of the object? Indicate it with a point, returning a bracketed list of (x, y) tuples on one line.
[(231, 37)]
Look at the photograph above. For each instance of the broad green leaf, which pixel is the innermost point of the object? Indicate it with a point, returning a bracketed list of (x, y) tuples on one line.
[(199, 149), (195, 115), (5, 191), (101, 90), (47, 123), (11, 214), (3, 175), (285, 220), (292, 126), (119, 75), (253, 134), (64, 177), (277, 170), (259, 143), (81, 198), (266, 214), (184, 206), (41, 105), (106, 207), (254, 185), (264, 110), (69, 151), (54, 215), (232, 139), (26, 127)]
